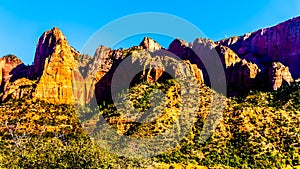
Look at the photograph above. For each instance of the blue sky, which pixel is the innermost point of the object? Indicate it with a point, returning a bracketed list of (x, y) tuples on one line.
[(22, 22)]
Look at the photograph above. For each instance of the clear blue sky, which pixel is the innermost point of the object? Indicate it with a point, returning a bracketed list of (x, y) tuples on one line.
[(22, 22)]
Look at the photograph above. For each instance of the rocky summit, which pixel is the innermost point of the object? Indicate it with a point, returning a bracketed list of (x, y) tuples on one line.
[(263, 60), (54, 65)]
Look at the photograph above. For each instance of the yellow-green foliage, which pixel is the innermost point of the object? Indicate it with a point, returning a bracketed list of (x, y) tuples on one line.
[(260, 130), (257, 131), (36, 118)]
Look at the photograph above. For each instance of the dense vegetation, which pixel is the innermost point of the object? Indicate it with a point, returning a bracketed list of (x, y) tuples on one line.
[(260, 130)]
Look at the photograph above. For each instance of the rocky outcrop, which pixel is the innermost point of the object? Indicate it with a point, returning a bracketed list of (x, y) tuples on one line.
[(197, 73), (93, 71), (203, 48), (20, 88), (150, 44), (52, 41), (140, 65), (242, 74), (227, 56), (242, 77), (279, 43), (278, 74), (54, 65), (9, 66), (182, 50), (207, 54)]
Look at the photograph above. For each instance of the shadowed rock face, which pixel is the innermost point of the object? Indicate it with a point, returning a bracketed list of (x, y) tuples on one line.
[(90, 72), (12, 77), (242, 74), (280, 43), (12, 69), (141, 65), (7, 65), (265, 59)]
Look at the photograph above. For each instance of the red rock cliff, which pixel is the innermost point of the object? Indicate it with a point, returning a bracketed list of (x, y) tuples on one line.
[(280, 43)]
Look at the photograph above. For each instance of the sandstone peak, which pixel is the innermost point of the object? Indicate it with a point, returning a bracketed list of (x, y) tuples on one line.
[(278, 74), (51, 41), (150, 44), (203, 42), (8, 64), (178, 43), (56, 33), (54, 64), (11, 59)]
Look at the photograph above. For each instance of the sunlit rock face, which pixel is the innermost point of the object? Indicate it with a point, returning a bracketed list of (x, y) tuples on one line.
[(278, 74), (150, 44), (54, 66)]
